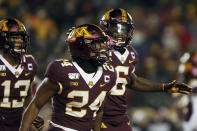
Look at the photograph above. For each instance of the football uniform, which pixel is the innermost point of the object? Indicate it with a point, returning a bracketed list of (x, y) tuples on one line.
[(187, 105), (80, 94), (115, 117), (191, 117), (14, 85)]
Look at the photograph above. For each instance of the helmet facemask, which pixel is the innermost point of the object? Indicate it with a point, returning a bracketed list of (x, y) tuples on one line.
[(99, 49), (16, 45), (121, 33)]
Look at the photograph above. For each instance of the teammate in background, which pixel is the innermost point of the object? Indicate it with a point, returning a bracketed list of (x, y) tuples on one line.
[(187, 105), (78, 86), (17, 71), (118, 24)]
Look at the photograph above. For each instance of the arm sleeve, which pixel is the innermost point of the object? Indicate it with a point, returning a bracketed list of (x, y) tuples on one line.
[(53, 71)]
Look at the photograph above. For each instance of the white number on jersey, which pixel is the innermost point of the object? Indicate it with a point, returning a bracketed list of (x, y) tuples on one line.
[(120, 80), (23, 93), (85, 98)]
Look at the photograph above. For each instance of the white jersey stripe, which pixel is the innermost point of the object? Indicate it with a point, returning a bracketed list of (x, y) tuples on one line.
[(62, 127)]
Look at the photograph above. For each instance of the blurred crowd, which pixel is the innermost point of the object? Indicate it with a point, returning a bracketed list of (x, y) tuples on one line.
[(164, 30)]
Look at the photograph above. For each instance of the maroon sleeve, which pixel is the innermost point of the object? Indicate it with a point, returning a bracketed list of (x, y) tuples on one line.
[(32, 66), (53, 71), (35, 67), (136, 56)]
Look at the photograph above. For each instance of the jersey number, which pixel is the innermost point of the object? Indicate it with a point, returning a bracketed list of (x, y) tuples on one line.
[(120, 81), (23, 93), (84, 95)]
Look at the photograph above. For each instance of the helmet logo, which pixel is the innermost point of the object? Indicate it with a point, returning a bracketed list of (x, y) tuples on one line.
[(3, 25), (79, 32)]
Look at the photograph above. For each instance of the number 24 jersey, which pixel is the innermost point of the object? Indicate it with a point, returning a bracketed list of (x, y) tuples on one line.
[(80, 94)]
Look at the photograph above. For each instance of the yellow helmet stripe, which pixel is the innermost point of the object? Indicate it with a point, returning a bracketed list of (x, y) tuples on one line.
[(21, 26), (124, 15), (97, 26), (100, 29), (106, 16)]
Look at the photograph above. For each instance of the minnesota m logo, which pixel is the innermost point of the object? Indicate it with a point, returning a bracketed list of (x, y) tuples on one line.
[(3, 25), (79, 32)]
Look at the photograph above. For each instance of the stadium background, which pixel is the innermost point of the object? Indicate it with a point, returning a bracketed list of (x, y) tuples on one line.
[(164, 30)]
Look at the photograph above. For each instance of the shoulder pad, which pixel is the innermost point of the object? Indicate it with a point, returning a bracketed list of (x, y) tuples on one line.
[(64, 62), (30, 56)]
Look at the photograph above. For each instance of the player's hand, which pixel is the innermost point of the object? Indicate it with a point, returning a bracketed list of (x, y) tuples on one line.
[(175, 87), (38, 123)]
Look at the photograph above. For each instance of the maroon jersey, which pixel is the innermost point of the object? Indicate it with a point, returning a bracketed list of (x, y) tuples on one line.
[(14, 85), (116, 102), (80, 94)]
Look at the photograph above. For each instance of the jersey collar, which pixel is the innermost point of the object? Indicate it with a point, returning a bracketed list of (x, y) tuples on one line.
[(122, 57), (15, 71), (90, 78)]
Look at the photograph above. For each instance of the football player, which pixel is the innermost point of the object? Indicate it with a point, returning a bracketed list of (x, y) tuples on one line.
[(17, 71), (187, 105), (78, 86), (118, 24)]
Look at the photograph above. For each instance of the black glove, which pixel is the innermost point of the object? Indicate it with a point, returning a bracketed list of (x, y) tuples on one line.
[(38, 123), (175, 87)]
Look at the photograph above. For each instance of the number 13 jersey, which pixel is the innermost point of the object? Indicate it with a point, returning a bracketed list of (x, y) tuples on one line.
[(14, 86)]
